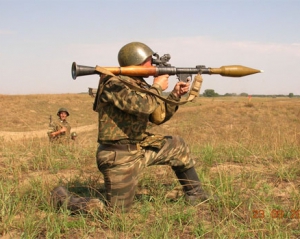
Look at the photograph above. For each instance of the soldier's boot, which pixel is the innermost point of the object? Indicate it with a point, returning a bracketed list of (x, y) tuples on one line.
[(192, 188), (61, 197)]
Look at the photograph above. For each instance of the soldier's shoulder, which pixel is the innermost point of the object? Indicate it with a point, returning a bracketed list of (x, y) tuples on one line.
[(55, 122), (119, 79), (66, 122), (114, 83)]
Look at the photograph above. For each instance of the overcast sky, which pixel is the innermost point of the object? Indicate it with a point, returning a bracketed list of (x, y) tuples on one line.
[(40, 39)]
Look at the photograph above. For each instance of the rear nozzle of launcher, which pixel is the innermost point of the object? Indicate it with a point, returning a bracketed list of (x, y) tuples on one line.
[(78, 70)]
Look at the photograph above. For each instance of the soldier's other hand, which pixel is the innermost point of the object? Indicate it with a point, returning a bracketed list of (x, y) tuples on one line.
[(162, 80), (63, 129), (181, 88)]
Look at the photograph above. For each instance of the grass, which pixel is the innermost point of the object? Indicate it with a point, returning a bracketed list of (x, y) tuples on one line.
[(247, 155)]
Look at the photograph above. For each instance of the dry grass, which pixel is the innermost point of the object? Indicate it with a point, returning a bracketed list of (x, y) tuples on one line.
[(247, 154), (31, 112)]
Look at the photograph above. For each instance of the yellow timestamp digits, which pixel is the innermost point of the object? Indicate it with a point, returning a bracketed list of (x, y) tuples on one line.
[(276, 214), (258, 214)]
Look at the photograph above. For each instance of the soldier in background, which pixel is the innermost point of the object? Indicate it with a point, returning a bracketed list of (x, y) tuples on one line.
[(126, 146), (60, 130), (73, 136)]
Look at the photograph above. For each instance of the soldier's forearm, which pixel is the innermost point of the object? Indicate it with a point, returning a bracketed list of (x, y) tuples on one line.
[(56, 133)]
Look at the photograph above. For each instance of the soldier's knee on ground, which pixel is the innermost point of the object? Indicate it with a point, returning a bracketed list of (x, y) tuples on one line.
[(62, 198)]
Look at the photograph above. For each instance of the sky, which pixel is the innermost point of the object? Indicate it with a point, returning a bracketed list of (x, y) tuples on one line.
[(40, 39)]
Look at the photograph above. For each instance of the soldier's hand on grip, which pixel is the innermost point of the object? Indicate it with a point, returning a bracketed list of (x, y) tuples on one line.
[(181, 88), (162, 80)]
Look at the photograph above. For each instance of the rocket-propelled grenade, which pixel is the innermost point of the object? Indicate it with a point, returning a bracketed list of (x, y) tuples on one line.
[(233, 71)]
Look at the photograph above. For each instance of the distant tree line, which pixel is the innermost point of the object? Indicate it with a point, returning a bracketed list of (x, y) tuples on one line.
[(212, 93)]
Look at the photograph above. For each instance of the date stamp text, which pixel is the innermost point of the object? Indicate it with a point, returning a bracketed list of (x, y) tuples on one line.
[(276, 213)]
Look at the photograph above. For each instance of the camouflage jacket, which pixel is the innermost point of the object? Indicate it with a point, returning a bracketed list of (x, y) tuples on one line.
[(57, 125), (124, 112)]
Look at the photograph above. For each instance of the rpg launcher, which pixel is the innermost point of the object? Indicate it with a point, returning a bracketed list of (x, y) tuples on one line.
[(162, 67)]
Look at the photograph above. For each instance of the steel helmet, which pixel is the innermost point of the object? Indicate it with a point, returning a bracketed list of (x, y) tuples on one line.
[(133, 54), (62, 110), (74, 134)]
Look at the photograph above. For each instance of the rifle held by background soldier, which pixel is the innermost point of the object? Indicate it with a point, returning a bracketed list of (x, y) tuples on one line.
[(50, 120)]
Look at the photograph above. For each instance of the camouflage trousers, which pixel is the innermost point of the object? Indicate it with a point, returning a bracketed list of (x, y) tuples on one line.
[(122, 168)]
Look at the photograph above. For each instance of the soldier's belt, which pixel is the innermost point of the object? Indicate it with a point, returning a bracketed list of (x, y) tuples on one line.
[(121, 147)]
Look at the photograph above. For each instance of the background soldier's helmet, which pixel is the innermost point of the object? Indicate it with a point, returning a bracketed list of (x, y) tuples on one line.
[(62, 110), (133, 54), (74, 134)]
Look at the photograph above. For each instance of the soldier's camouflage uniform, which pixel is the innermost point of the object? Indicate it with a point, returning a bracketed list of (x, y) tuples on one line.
[(125, 145), (63, 137)]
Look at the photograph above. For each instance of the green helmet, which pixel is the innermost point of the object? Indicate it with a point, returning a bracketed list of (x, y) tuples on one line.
[(62, 110), (73, 134), (133, 54)]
